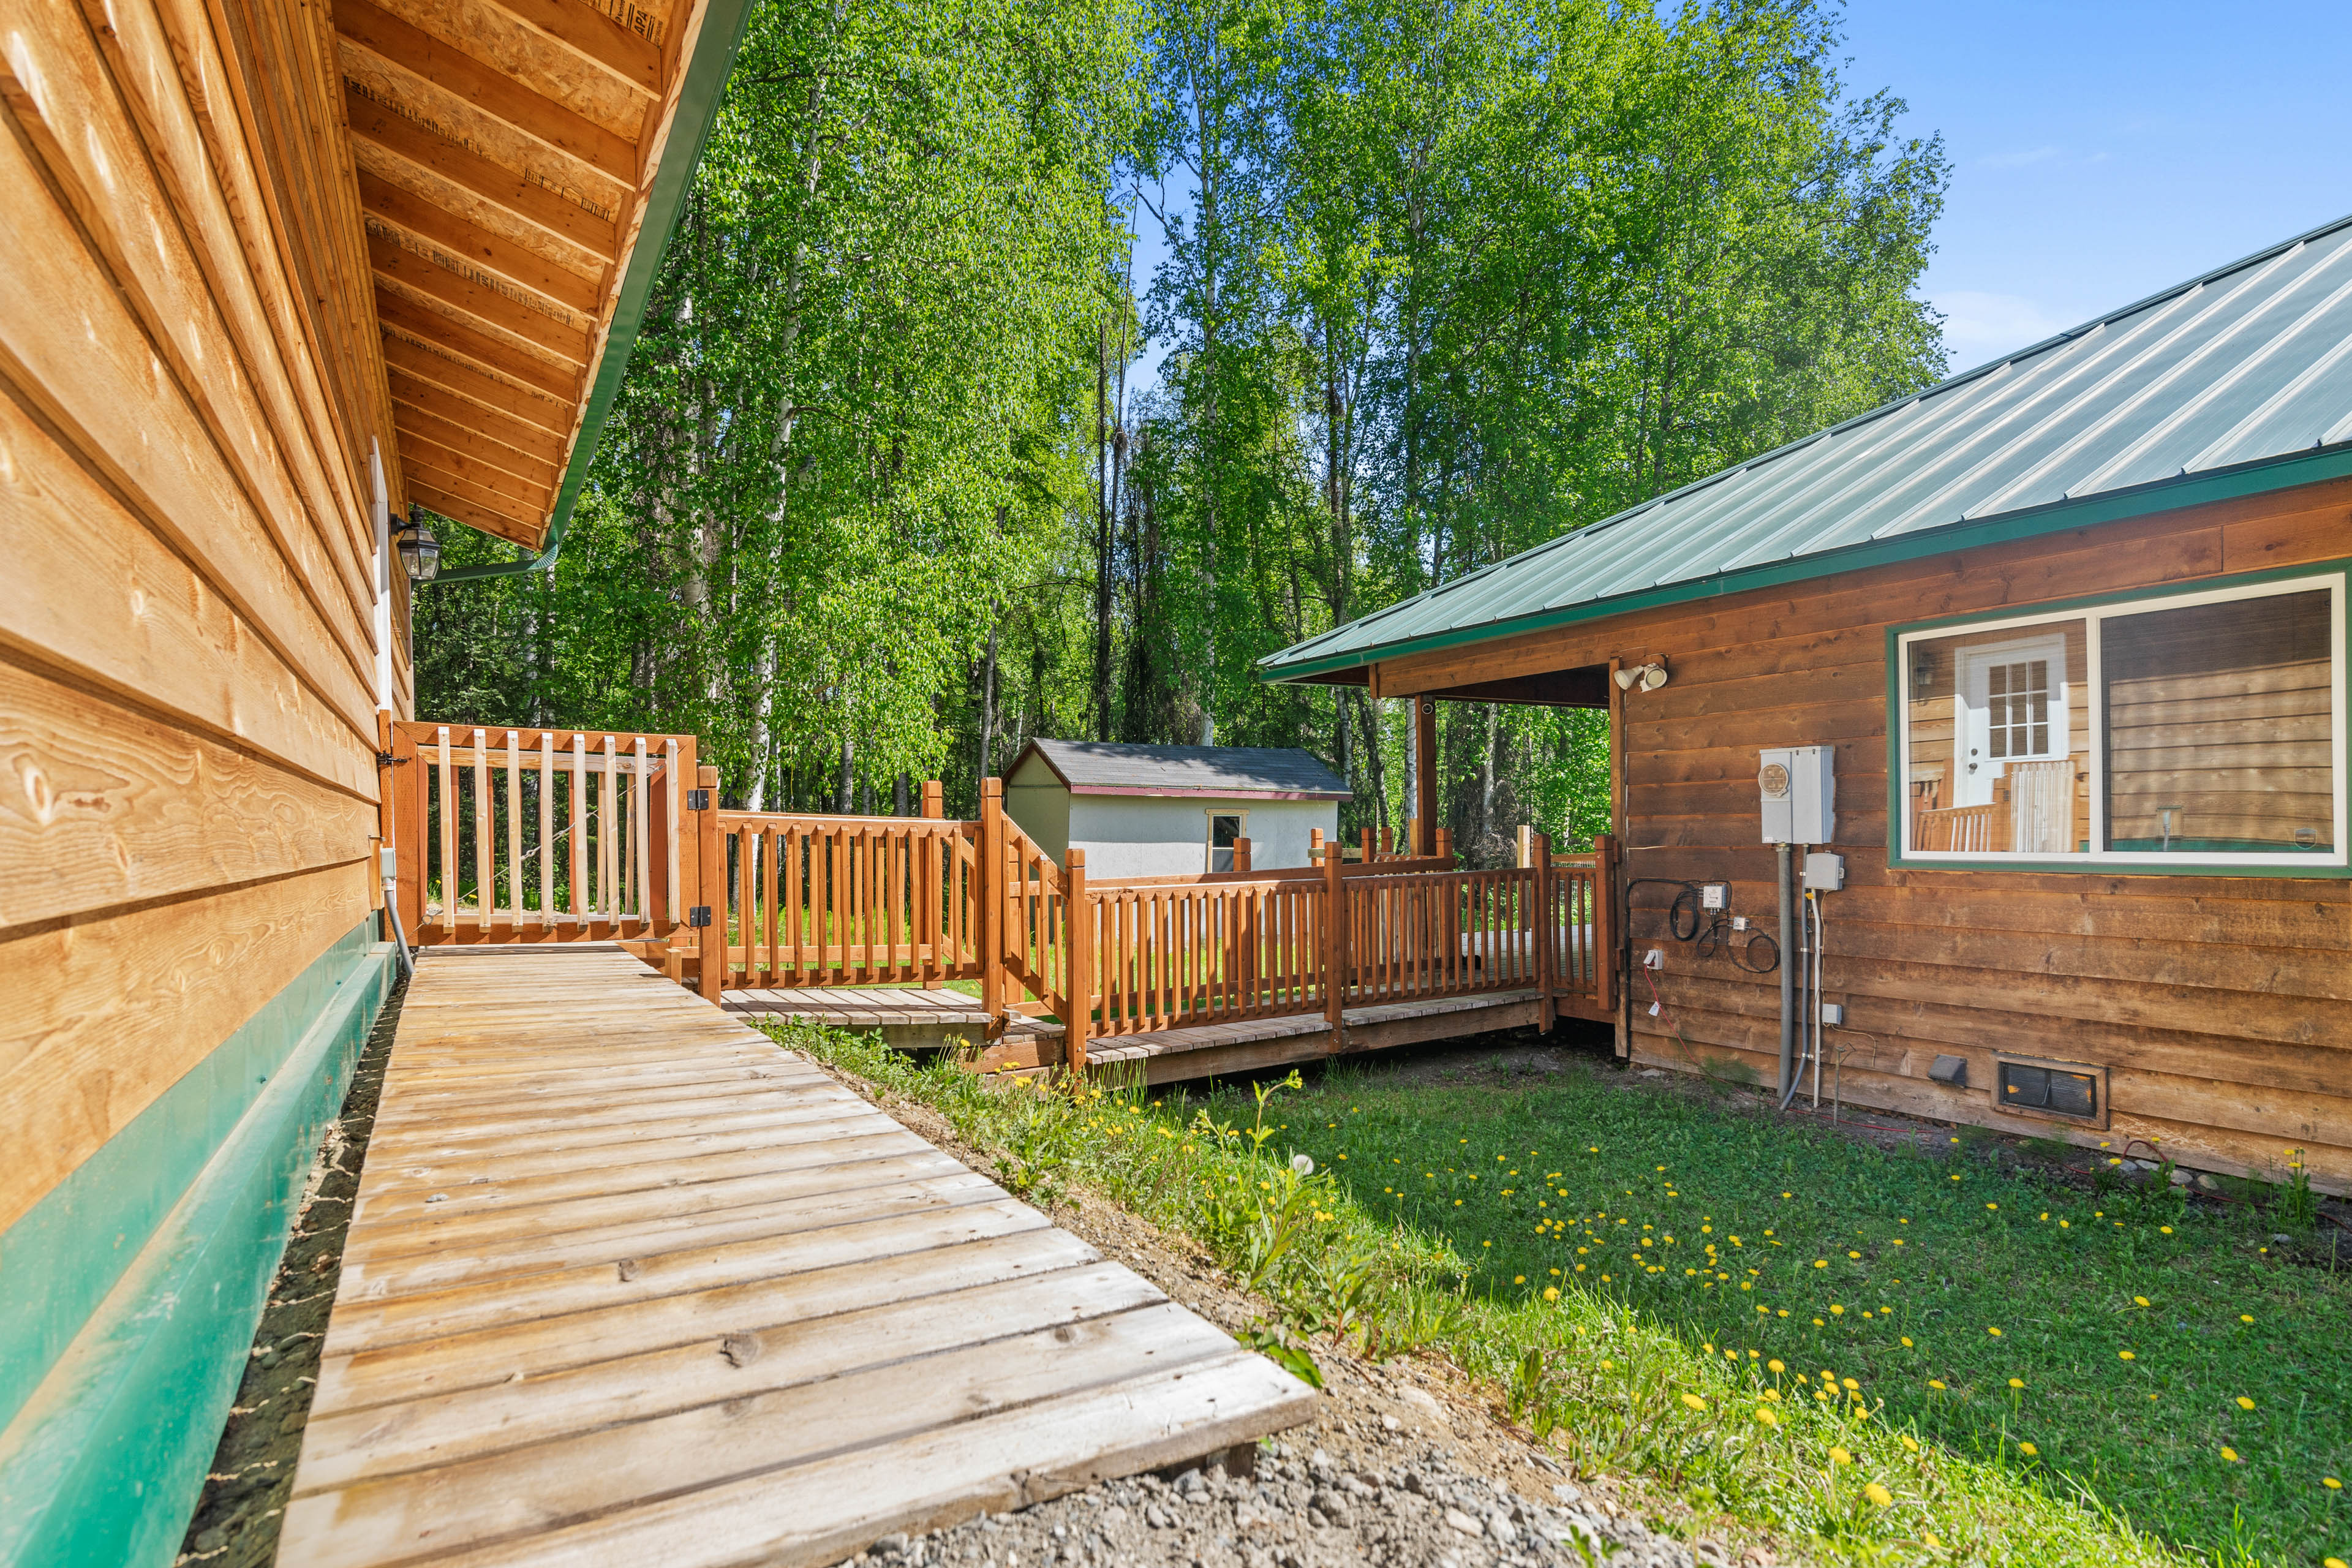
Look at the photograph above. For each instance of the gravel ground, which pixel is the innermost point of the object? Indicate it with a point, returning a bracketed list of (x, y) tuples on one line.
[(1419, 1509)]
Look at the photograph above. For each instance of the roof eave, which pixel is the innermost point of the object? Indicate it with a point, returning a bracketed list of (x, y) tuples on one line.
[(720, 38), (2258, 477)]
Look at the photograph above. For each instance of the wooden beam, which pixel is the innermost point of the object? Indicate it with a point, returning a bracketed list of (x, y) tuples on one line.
[(436, 225), (395, 134), (484, 303), (429, 424), (397, 309), (438, 370), (634, 61), (457, 509), (461, 475), (526, 440), (487, 89)]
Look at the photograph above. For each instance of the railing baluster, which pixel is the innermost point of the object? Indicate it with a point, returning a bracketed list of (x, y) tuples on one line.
[(638, 816), (547, 831), (484, 880), (576, 802), (514, 827), (448, 833)]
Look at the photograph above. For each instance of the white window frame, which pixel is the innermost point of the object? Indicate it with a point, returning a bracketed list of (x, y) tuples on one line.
[(1209, 834), (2097, 857)]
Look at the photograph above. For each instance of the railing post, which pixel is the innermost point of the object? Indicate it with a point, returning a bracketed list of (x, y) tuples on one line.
[(1241, 853), (935, 865), (1535, 851), (1077, 1007), (990, 896), (1604, 920), (710, 884), (1335, 946), (1443, 849)]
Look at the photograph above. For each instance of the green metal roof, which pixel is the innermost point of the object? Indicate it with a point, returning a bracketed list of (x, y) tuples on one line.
[(2229, 385)]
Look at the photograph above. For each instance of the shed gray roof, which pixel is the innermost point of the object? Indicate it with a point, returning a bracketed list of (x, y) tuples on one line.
[(1103, 767), (2230, 384)]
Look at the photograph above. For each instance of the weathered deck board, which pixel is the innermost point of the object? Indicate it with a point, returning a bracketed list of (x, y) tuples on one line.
[(699, 1304)]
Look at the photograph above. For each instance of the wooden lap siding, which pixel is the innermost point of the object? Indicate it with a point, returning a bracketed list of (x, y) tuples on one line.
[(2223, 1004), (188, 384)]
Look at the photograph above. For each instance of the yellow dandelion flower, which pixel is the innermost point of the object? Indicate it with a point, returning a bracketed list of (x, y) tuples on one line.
[(2331, 1483), (2165, 1228), (1837, 1311), (1906, 1342), (1934, 1382), (2126, 1355), (1694, 1401), (2230, 1454), (1766, 1416), (1551, 1292), (2139, 1300), (1840, 1456), (1776, 1365), (1994, 1332), (2245, 1317), (1879, 1494), (2245, 1403), (2028, 1450), (2017, 1383), (1933, 1544), (1908, 1441)]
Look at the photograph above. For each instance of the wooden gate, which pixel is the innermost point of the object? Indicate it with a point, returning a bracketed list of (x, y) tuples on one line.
[(508, 834)]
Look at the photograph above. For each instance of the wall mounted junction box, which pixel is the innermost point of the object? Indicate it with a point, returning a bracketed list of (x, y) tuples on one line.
[(1824, 872), (1800, 795)]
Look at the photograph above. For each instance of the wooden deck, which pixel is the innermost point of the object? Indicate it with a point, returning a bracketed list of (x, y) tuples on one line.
[(627, 1283)]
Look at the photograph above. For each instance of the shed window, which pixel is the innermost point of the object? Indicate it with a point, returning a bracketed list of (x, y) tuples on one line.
[(2200, 729), (1224, 832)]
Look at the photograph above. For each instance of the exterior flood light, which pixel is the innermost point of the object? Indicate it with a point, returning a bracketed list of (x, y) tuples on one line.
[(420, 553), (1650, 676)]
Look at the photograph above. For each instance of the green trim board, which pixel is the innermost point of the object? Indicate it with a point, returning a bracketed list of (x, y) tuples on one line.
[(715, 48), (2169, 495), (2275, 865), (132, 1289)]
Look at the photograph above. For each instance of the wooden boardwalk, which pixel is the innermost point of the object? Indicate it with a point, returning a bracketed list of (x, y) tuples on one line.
[(627, 1284)]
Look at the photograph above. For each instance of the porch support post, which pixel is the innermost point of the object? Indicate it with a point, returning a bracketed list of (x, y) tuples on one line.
[(1603, 915), (1424, 774)]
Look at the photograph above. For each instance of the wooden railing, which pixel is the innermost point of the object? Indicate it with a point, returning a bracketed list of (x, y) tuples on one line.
[(509, 835), (1967, 829), (603, 839), (849, 900)]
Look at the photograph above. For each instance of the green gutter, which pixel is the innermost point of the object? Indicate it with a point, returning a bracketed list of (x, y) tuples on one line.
[(2114, 506), (697, 106)]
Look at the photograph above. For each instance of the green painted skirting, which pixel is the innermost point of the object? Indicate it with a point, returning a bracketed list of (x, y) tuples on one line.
[(129, 1295)]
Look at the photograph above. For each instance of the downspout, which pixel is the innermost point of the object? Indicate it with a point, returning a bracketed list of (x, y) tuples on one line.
[(1788, 1085)]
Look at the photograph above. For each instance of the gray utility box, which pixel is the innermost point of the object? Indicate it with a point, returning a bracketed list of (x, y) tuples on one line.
[(1800, 795)]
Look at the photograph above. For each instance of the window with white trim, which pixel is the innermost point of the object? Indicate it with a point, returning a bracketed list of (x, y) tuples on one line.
[(1226, 831), (2195, 729)]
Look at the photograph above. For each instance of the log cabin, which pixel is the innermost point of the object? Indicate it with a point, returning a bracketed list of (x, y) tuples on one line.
[(2055, 652), (277, 279)]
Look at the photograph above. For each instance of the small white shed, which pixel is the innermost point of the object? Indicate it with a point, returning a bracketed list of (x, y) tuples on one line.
[(1171, 811)]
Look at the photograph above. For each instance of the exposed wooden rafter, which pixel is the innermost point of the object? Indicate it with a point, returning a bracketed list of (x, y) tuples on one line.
[(503, 148)]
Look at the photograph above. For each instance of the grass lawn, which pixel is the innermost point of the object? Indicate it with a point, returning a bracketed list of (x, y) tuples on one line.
[(1766, 1321), (2154, 1353)]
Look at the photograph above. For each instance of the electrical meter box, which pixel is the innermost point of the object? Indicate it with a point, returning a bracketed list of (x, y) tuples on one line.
[(1800, 795)]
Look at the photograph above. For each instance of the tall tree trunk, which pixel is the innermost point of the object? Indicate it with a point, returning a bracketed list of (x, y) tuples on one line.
[(1102, 531), (848, 758)]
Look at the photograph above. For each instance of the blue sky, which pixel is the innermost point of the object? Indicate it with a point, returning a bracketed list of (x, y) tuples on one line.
[(2100, 151)]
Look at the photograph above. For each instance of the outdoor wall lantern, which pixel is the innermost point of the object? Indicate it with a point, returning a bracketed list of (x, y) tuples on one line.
[(420, 553), (1650, 677)]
